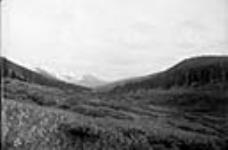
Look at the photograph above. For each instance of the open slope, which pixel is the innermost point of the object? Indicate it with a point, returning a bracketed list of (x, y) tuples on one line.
[(28, 126), (185, 116), (12, 70), (45, 73), (39, 117), (190, 73), (89, 81)]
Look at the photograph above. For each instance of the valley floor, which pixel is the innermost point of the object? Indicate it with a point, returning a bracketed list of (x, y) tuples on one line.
[(28, 126)]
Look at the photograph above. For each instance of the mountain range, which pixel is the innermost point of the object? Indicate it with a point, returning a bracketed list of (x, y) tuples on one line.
[(88, 80), (190, 73)]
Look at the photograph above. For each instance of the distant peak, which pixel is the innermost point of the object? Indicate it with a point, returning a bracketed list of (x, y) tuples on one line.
[(87, 80)]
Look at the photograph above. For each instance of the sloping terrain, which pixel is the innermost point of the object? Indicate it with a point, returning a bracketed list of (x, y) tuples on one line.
[(89, 81), (30, 127), (45, 73), (12, 70), (194, 72), (38, 117)]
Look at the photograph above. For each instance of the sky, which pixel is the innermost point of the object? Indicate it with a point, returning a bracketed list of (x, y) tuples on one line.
[(111, 39)]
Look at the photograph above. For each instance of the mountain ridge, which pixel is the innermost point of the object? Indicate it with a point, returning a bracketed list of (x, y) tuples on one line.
[(45, 73), (13, 70), (87, 80), (191, 72)]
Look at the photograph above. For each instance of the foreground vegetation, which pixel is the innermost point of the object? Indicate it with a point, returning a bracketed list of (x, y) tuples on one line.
[(38, 117), (182, 108), (32, 127)]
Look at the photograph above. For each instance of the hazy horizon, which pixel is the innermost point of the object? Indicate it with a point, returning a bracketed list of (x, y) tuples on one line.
[(112, 39)]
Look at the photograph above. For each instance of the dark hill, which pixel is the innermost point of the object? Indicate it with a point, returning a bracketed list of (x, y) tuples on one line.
[(12, 70), (45, 73), (198, 72)]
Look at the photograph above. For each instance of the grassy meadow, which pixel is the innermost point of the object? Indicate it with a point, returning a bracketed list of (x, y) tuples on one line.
[(36, 117)]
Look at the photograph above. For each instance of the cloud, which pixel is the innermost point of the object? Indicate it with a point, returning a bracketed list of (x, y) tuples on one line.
[(113, 39)]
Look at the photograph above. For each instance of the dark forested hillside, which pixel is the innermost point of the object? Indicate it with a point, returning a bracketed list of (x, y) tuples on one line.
[(45, 73), (12, 70), (198, 72)]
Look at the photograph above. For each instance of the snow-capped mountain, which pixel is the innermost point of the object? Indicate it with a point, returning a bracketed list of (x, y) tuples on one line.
[(86, 80)]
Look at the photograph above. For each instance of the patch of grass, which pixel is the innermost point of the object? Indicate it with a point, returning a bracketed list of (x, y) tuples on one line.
[(42, 118), (30, 127)]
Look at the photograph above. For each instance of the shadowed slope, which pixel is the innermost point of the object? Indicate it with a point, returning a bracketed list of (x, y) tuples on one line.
[(191, 73), (12, 70)]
